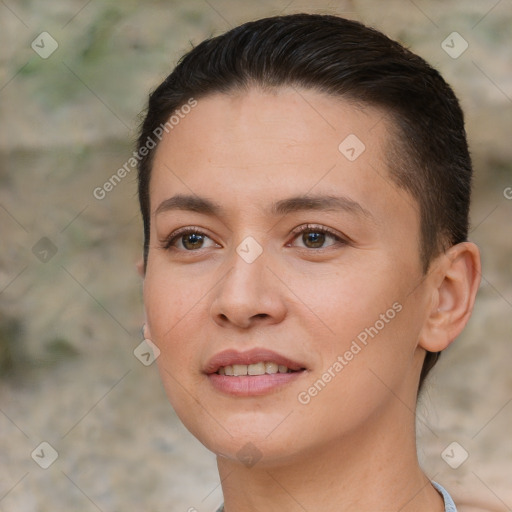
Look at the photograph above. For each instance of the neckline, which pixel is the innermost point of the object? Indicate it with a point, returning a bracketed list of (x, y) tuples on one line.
[(449, 505)]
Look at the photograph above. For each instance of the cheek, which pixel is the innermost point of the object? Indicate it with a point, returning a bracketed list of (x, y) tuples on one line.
[(173, 303), (170, 296), (364, 369), (348, 301), (370, 331)]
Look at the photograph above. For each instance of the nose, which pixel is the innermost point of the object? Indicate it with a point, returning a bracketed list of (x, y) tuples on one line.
[(248, 295)]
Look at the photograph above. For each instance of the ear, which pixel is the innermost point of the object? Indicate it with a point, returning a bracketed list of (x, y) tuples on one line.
[(140, 267), (146, 334), (455, 284)]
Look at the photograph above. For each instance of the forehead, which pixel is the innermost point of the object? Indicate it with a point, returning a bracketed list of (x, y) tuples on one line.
[(289, 118), (251, 148)]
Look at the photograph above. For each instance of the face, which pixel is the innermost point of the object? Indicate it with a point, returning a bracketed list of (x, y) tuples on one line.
[(281, 248)]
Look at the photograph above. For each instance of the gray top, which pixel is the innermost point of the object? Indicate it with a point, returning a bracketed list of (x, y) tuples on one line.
[(449, 505)]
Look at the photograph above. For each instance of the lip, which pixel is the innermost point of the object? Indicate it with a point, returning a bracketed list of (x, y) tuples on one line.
[(253, 385), (253, 356), (256, 385)]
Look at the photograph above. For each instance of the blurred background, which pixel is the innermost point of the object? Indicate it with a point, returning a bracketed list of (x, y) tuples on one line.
[(74, 77)]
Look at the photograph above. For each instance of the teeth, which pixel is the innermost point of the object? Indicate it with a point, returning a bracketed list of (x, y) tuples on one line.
[(239, 369), (261, 368), (271, 368), (256, 369)]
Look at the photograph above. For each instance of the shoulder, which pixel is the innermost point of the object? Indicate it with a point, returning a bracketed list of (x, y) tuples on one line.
[(480, 499), (475, 503), (468, 507)]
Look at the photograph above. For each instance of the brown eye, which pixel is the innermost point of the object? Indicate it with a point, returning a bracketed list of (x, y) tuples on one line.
[(316, 237), (313, 239), (187, 239), (192, 241)]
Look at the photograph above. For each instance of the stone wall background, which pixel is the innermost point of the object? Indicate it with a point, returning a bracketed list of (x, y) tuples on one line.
[(69, 321)]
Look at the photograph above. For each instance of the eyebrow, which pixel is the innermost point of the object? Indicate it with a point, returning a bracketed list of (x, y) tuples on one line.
[(206, 206)]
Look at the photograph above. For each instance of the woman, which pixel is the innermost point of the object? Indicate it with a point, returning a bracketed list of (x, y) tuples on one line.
[(304, 183)]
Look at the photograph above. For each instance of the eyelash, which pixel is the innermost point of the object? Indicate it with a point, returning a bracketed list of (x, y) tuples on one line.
[(170, 240), (314, 228)]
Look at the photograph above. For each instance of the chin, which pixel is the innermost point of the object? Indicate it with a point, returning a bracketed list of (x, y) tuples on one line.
[(251, 450), (247, 437)]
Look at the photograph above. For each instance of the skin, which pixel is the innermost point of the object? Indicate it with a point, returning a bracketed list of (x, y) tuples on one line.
[(352, 447)]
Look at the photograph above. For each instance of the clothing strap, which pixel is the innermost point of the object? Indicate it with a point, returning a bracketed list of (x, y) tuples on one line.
[(449, 505)]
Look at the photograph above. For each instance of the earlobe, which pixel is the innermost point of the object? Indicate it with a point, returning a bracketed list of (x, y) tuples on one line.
[(140, 267), (458, 279), (146, 333)]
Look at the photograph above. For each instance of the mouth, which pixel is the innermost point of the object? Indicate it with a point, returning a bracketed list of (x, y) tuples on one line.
[(260, 368), (252, 373), (257, 361)]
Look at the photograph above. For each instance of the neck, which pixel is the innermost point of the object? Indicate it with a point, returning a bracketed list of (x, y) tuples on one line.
[(374, 468)]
